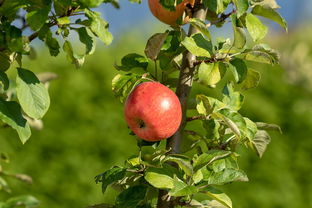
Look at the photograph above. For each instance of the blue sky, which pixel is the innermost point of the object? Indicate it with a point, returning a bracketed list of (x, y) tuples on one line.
[(131, 14)]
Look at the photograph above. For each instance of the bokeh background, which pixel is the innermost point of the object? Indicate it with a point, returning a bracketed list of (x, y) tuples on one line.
[(85, 132)]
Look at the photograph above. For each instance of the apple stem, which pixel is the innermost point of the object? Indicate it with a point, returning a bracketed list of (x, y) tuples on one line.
[(184, 86)]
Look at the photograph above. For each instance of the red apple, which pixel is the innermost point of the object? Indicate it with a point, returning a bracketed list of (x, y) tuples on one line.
[(153, 111), (167, 16)]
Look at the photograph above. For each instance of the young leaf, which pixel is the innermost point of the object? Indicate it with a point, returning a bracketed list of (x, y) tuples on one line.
[(183, 163), (218, 195), (132, 61), (242, 6), (210, 74), (38, 17), (209, 157), (234, 121), (198, 45), (234, 100), (108, 177), (262, 53), (271, 14), (251, 129), (99, 27), (201, 26), (207, 105), (159, 178), (181, 189), (252, 80), (86, 39), (239, 69), (261, 141), (154, 44), (71, 56), (226, 176), (256, 29), (31, 93), (131, 197)]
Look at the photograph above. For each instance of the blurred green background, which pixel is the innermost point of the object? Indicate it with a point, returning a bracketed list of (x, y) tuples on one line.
[(85, 132)]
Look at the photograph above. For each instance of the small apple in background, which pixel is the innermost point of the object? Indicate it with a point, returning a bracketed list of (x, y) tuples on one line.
[(167, 16), (153, 111)]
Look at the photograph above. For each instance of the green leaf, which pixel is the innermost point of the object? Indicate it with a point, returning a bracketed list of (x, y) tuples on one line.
[(123, 84), (31, 93), (4, 186), (99, 27), (154, 45), (216, 6), (4, 80), (267, 3), (209, 157), (266, 126), (252, 80), (212, 128), (10, 113), (256, 29), (201, 26), (108, 177), (239, 69), (261, 141), (223, 177), (207, 105), (198, 45), (239, 37), (210, 74), (242, 6), (159, 178), (251, 129), (262, 53), (24, 201), (182, 189), (52, 43), (90, 3), (86, 39), (63, 20), (78, 60), (234, 121), (271, 14), (234, 100), (38, 17), (132, 61), (218, 195), (131, 197), (183, 163), (5, 62)]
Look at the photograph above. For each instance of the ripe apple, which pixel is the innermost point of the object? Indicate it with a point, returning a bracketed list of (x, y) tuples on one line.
[(153, 111), (167, 16)]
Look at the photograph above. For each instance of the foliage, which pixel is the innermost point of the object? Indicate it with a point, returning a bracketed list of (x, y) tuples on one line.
[(212, 158)]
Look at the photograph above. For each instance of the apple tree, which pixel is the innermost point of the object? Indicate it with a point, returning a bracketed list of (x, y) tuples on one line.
[(189, 168)]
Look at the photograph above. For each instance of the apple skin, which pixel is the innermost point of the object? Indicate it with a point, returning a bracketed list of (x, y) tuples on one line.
[(166, 16), (153, 111)]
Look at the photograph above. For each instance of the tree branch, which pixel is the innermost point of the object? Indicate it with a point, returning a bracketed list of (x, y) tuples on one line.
[(184, 86)]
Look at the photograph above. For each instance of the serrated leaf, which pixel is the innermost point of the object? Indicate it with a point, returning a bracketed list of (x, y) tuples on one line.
[(252, 80), (132, 61), (266, 126), (182, 189), (131, 197), (108, 177), (271, 14), (31, 93), (201, 26), (78, 60), (159, 178), (261, 141), (123, 84), (198, 45), (256, 29), (10, 113), (154, 45), (183, 163), (242, 6), (38, 17), (223, 177), (86, 39), (4, 80), (99, 27), (234, 100), (218, 195), (239, 69), (210, 74), (209, 157)]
